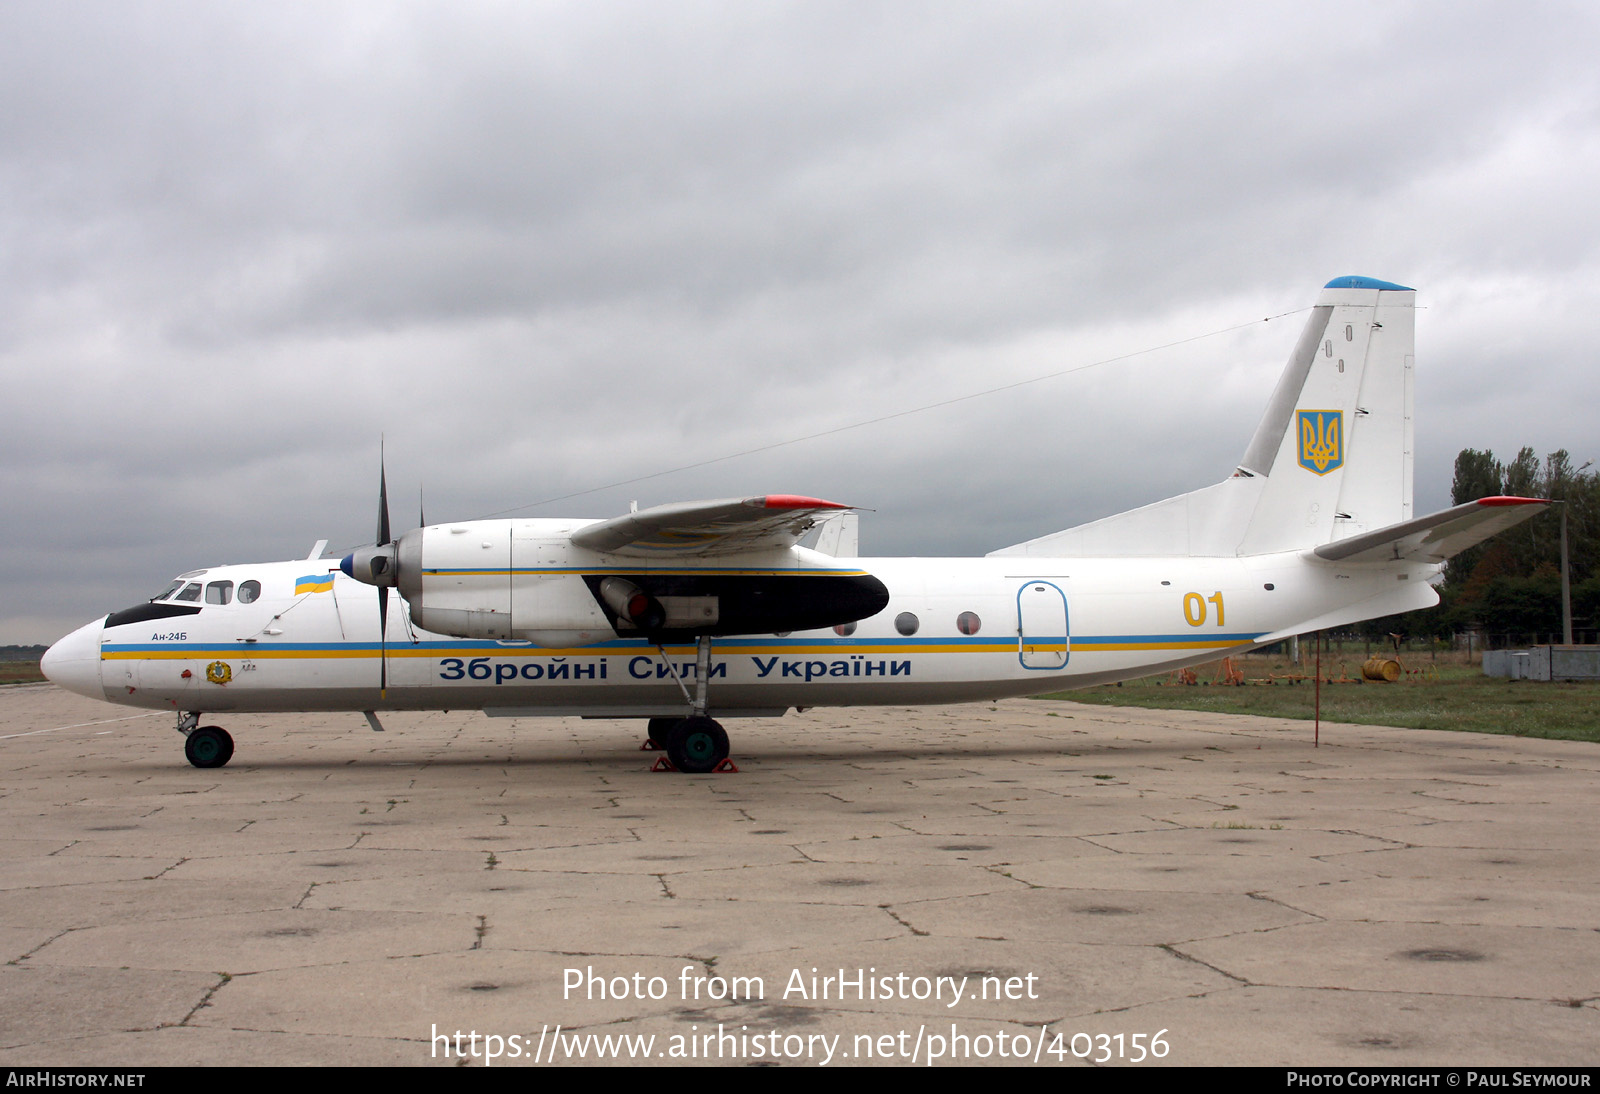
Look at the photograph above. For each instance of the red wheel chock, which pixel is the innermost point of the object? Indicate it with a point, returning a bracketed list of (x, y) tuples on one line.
[(726, 767)]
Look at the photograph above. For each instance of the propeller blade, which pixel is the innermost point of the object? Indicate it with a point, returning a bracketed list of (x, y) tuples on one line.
[(383, 501), (383, 590), (383, 640)]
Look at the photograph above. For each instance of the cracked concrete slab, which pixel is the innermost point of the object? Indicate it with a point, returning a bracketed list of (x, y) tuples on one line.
[(338, 896), (689, 928), (46, 1004), (1447, 959)]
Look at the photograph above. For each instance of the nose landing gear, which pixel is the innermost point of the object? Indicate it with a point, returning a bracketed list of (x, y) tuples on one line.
[(204, 746)]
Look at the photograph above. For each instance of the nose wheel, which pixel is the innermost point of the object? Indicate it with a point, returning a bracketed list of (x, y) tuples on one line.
[(208, 746)]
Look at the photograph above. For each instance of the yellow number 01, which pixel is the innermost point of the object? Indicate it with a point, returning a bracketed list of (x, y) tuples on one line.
[(1194, 607)]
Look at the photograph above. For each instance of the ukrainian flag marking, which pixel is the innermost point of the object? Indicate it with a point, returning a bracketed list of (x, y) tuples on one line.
[(315, 583)]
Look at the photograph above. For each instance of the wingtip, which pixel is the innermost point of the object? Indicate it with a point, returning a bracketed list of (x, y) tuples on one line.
[(796, 501)]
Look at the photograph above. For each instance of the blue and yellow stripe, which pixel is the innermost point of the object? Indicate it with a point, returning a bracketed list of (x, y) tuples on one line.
[(956, 644)]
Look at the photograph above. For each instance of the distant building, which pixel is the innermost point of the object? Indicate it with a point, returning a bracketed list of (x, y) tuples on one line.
[(1544, 663)]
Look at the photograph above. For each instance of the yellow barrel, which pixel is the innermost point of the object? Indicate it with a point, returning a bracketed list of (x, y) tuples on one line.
[(1381, 668)]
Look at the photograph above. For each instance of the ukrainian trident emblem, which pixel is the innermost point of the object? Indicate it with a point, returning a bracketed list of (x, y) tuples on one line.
[(1321, 440)]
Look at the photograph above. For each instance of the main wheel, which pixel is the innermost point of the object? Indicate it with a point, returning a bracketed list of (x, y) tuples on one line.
[(697, 745), (660, 730), (208, 746)]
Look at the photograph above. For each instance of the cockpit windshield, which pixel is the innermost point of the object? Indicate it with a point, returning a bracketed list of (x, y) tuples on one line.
[(216, 592)]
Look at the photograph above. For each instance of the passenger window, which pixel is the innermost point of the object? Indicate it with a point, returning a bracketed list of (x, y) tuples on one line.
[(249, 591), (968, 623), (845, 630), (906, 623), (219, 592), (191, 591)]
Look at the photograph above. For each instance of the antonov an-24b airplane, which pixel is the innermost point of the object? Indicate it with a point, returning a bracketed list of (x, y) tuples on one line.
[(678, 612)]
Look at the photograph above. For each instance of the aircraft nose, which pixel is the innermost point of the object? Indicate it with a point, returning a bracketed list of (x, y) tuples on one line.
[(74, 662)]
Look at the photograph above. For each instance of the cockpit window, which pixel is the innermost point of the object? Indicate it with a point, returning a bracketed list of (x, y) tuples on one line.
[(191, 591), (249, 591), (174, 587), (219, 592)]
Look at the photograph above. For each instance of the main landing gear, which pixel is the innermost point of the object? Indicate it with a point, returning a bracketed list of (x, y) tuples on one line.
[(697, 744), (204, 746)]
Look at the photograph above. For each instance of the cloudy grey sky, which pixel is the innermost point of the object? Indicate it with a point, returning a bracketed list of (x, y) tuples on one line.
[(546, 247)]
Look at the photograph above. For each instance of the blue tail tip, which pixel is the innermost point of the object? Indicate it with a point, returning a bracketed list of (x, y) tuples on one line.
[(1352, 282)]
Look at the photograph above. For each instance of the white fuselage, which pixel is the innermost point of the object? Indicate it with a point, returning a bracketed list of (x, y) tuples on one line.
[(983, 629)]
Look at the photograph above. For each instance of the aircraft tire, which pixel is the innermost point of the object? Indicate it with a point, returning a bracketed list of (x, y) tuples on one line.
[(697, 745), (208, 746), (659, 730)]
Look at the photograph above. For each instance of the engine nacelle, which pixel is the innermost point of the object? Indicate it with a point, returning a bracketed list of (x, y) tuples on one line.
[(524, 580), (502, 580)]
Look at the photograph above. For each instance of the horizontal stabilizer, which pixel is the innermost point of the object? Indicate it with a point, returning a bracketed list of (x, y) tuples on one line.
[(708, 528), (1437, 536)]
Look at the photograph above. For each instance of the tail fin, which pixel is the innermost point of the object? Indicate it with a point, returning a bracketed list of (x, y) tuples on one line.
[(1332, 457), (1335, 445)]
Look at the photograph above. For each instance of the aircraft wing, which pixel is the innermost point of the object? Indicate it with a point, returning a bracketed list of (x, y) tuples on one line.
[(1437, 536), (708, 528)]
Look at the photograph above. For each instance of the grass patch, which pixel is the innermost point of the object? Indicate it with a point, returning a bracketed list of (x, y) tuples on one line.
[(20, 672), (1447, 695)]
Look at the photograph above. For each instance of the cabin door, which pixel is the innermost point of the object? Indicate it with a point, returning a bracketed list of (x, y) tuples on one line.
[(1043, 638)]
